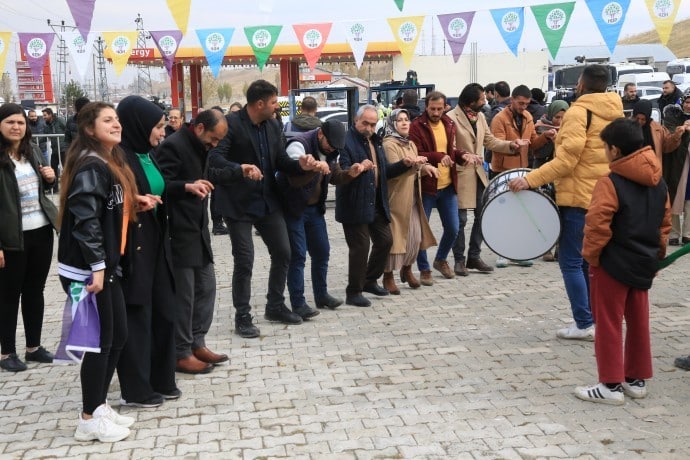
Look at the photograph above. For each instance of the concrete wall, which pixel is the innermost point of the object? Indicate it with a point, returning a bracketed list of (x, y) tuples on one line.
[(530, 68)]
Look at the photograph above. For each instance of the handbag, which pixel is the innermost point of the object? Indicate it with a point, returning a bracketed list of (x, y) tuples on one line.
[(81, 327)]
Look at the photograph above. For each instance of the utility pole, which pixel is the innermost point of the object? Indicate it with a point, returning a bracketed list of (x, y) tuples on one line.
[(61, 61), (144, 86), (102, 75)]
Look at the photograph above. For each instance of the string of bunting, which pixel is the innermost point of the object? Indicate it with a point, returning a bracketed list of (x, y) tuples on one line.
[(552, 19)]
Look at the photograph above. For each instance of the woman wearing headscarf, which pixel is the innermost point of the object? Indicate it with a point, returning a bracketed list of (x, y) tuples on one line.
[(27, 220), (147, 364), (409, 225), (656, 136)]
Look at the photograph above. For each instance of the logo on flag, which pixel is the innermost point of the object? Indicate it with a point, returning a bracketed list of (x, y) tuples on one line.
[(457, 28), (121, 45), (312, 38), (555, 20), (167, 45), (510, 21), (215, 42), (261, 38), (663, 8), (357, 31), (79, 44), (407, 31), (36, 48), (612, 13)]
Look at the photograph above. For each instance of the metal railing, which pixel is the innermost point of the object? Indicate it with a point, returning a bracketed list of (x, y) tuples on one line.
[(37, 139)]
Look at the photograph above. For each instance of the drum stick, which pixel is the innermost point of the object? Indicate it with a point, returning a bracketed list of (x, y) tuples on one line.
[(529, 215), (675, 256)]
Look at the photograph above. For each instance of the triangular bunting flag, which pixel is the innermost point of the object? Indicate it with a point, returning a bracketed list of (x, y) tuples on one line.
[(609, 17), (553, 21), (120, 45), (407, 31), (456, 26), (262, 39), (663, 14), (81, 50), (180, 13), (357, 34), (400, 4), (215, 42), (312, 38), (510, 23), (167, 41), (4, 47), (82, 13), (36, 47)]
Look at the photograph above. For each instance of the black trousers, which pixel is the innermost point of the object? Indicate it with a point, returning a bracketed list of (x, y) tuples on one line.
[(474, 250), (97, 369), (358, 237), (148, 360), (274, 234), (24, 277)]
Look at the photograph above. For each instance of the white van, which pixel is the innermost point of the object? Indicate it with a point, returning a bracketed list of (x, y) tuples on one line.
[(644, 79), (682, 80)]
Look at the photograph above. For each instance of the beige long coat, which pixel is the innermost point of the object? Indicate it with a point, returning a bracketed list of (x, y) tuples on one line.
[(401, 191), (465, 139)]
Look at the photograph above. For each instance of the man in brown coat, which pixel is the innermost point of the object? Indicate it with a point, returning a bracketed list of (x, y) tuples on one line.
[(472, 134), (514, 123)]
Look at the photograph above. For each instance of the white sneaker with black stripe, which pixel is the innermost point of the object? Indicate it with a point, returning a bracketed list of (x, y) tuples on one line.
[(637, 389), (600, 393)]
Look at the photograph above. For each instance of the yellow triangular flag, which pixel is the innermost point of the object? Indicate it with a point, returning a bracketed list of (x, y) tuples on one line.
[(4, 47), (407, 31), (663, 14), (180, 13), (119, 47)]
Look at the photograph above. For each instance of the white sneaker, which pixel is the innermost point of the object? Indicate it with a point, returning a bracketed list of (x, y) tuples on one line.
[(637, 389), (572, 332), (501, 262), (600, 393), (106, 410), (100, 428)]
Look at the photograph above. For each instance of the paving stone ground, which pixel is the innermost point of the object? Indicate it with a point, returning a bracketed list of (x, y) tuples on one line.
[(468, 368)]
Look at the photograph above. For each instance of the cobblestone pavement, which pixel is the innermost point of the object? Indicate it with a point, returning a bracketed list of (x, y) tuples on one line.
[(468, 368)]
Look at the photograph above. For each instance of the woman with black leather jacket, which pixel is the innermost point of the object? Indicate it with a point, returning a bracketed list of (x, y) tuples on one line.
[(98, 199), (147, 365), (27, 220)]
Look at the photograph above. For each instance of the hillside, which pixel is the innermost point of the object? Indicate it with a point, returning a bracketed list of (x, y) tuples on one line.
[(678, 43)]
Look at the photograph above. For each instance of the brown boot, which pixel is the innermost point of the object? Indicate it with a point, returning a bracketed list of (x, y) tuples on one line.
[(426, 278), (389, 283), (406, 276)]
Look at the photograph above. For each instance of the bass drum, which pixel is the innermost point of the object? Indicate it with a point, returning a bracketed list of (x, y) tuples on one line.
[(518, 226)]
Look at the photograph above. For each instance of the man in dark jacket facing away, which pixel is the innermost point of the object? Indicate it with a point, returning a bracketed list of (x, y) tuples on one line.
[(361, 205), (243, 166), (71, 126), (182, 159)]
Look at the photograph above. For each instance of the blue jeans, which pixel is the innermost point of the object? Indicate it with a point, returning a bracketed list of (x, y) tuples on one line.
[(446, 202), (307, 233), (574, 268)]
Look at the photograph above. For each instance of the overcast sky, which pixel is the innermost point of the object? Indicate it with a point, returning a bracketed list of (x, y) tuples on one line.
[(112, 15)]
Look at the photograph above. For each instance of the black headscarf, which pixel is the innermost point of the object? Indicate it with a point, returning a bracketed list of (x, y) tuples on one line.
[(138, 117), (644, 107)]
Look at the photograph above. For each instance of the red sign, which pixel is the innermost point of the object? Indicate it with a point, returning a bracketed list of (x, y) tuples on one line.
[(141, 54)]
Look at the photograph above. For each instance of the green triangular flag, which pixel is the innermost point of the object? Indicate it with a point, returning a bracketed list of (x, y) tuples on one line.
[(262, 39), (400, 4), (553, 20)]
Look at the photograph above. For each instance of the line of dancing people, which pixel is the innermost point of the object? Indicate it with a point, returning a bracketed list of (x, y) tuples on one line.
[(134, 223)]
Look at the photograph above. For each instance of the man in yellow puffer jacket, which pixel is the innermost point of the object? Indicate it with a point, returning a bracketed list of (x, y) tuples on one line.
[(579, 161)]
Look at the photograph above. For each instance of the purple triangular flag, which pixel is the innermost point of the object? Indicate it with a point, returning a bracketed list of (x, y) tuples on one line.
[(456, 26), (82, 13), (167, 41), (36, 48)]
